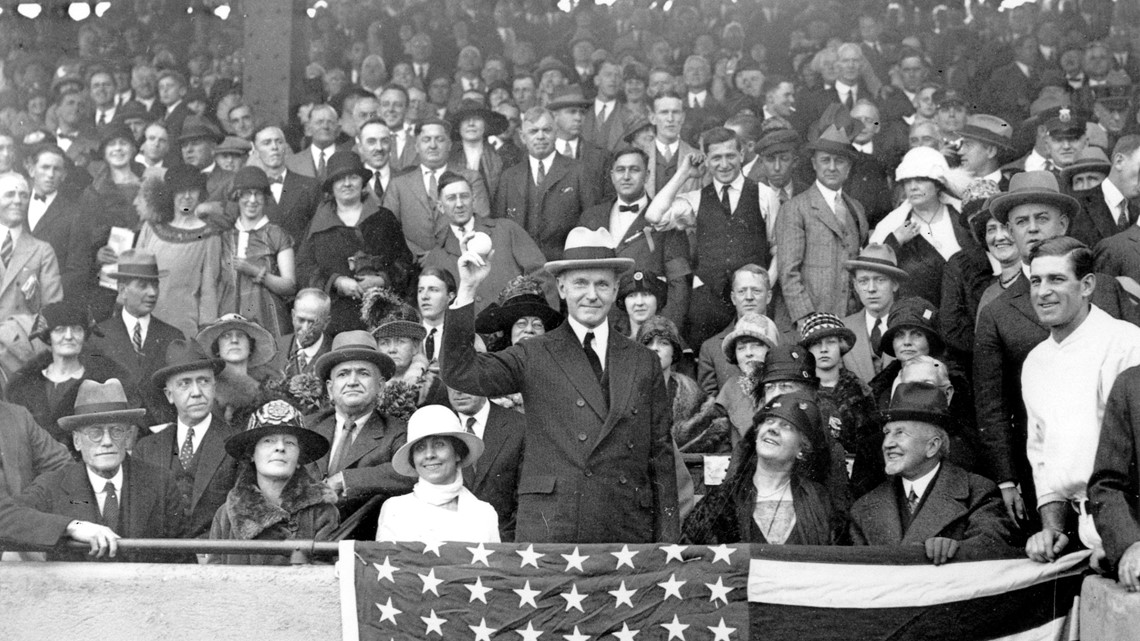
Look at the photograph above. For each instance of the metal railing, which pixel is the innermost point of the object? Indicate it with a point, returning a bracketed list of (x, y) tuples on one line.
[(300, 552)]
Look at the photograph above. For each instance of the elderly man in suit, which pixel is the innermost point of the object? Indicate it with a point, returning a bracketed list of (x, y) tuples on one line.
[(324, 127), (297, 353), (495, 477), (751, 292), (877, 277), (29, 272), (1115, 483), (515, 253), (192, 448), (928, 500), (599, 463), (24, 525), (413, 195), (1112, 207), (819, 231), (123, 493), (51, 213), (624, 216), (546, 194), (358, 467), (295, 196)]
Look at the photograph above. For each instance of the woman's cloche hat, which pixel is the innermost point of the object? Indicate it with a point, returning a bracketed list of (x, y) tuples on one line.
[(435, 420)]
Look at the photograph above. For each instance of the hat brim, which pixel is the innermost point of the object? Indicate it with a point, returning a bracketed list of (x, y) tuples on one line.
[(619, 265), (128, 276), (886, 270), (1001, 204), (494, 123), (400, 329), (313, 445), (942, 419), (158, 379), (887, 342), (133, 417), (843, 333), (833, 148), (563, 103), (402, 460), (327, 361), (264, 345), (1100, 167), (987, 138), (728, 345), (500, 318), (326, 186)]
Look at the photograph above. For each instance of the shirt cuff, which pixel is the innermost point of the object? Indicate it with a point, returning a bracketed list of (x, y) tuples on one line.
[(1007, 485)]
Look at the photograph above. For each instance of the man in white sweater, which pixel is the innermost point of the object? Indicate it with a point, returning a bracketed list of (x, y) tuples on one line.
[(1065, 383)]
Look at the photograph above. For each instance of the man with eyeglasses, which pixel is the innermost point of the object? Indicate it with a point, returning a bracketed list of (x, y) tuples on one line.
[(876, 277), (750, 292), (109, 488)]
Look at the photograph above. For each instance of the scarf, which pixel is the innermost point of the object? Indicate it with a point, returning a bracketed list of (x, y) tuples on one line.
[(438, 494)]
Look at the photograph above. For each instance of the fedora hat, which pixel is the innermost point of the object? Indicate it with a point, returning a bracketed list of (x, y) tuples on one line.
[(567, 96), (277, 417), (878, 258), (341, 164), (989, 130), (263, 344), (249, 177), (233, 145), (789, 363), (834, 141), (184, 356), (198, 129), (522, 297), (494, 123), (356, 345), (435, 420), (913, 313), (1037, 187), (820, 325), (918, 402), (1091, 159), (101, 403), (589, 249), (136, 264), (751, 325)]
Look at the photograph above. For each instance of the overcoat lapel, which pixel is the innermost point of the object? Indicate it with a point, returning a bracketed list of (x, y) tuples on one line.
[(567, 352)]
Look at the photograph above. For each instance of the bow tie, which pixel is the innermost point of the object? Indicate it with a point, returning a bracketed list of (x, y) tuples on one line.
[(280, 180), (40, 197), (634, 208)]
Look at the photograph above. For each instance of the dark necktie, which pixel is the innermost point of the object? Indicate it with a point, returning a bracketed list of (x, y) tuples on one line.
[(186, 454), (111, 506), (6, 248), (592, 356), (724, 199), (912, 501), (302, 362), (634, 208), (877, 337), (470, 425), (782, 195), (377, 185), (336, 461), (136, 337), (541, 173), (321, 165), (850, 101), (279, 180), (429, 346), (1124, 219)]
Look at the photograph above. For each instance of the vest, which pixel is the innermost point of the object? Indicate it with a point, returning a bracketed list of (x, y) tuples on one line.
[(529, 222), (664, 171), (726, 241), (184, 478)]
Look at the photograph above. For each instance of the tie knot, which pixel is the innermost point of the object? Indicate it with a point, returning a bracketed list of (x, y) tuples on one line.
[(634, 208), (279, 180), (471, 424), (589, 340), (109, 488)]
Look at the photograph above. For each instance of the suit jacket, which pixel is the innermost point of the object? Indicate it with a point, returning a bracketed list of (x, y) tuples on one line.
[(563, 196), (33, 266), (870, 183), (285, 360), (24, 525), (683, 151), (149, 504), (368, 464), (27, 451), (174, 120), (1094, 222), (712, 114), (663, 253), (595, 161), (219, 183), (55, 229), (606, 134), (1114, 487), (1010, 91), (1119, 255), (813, 247), (115, 343), (861, 359), (713, 368), (423, 226), (596, 469), (213, 479), (409, 158), (515, 254), (958, 505), (495, 478), (302, 161), (293, 213)]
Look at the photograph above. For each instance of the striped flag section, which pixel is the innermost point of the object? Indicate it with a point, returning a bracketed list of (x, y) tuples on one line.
[(551, 592)]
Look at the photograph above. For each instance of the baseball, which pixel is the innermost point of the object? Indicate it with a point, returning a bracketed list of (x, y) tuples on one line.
[(479, 243)]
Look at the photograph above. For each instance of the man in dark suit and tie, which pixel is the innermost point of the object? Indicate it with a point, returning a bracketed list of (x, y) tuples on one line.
[(171, 91), (546, 194), (702, 109), (197, 141), (1115, 484), (295, 196), (495, 477), (192, 448), (569, 106), (374, 144), (598, 465), (1111, 208), (324, 127), (123, 493), (297, 353), (605, 120), (52, 212)]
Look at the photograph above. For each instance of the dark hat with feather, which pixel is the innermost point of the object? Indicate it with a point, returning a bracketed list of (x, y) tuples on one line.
[(387, 316)]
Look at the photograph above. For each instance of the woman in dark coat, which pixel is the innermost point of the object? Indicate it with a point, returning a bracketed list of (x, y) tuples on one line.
[(471, 124), (766, 496), (353, 244)]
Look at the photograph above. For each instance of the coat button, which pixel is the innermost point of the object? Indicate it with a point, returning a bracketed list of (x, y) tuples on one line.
[(580, 403), (635, 411), (478, 299), (630, 444), (589, 473), (623, 480), (582, 437)]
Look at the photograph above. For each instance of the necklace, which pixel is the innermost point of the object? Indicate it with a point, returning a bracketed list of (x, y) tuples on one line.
[(779, 490), (775, 513), (1006, 282)]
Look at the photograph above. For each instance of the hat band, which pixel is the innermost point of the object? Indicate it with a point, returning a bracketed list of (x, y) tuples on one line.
[(138, 269), (588, 253), (99, 408), (876, 261)]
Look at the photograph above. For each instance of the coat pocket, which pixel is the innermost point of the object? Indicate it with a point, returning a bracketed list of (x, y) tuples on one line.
[(537, 485)]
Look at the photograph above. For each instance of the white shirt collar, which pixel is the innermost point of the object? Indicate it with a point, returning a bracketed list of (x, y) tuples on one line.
[(316, 152), (480, 426), (130, 321), (829, 195), (341, 418), (671, 148), (98, 483), (735, 186), (867, 147), (467, 228), (870, 320), (199, 432), (546, 162), (311, 350), (843, 88), (608, 104), (1112, 197), (920, 484), (601, 336)]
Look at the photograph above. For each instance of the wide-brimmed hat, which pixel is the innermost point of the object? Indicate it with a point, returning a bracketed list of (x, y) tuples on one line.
[(789, 363), (185, 356), (341, 164), (913, 313), (1036, 187), (386, 315), (990, 130), (198, 129), (1091, 159), (820, 325), (264, 346), (751, 325), (101, 403), (494, 123), (355, 345), (778, 141), (249, 177), (923, 162), (435, 420), (921, 402), (136, 264), (567, 96), (878, 258), (522, 297), (636, 127), (801, 411), (277, 417), (233, 145), (661, 327), (834, 141), (550, 63), (646, 281), (180, 178), (589, 249)]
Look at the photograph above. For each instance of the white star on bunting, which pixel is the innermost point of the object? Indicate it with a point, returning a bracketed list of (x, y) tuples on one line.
[(722, 553), (574, 560), (626, 634), (430, 582), (480, 555), (674, 552), (574, 599), (432, 546), (433, 624), (721, 631), (482, 632), (625, 557), (672, 587), (526, 595), (478, 591), (387, 612), (385, 570), (719, 590), (676, 628), (577, 636), (622, 595), (530, 634), (529, 556)]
